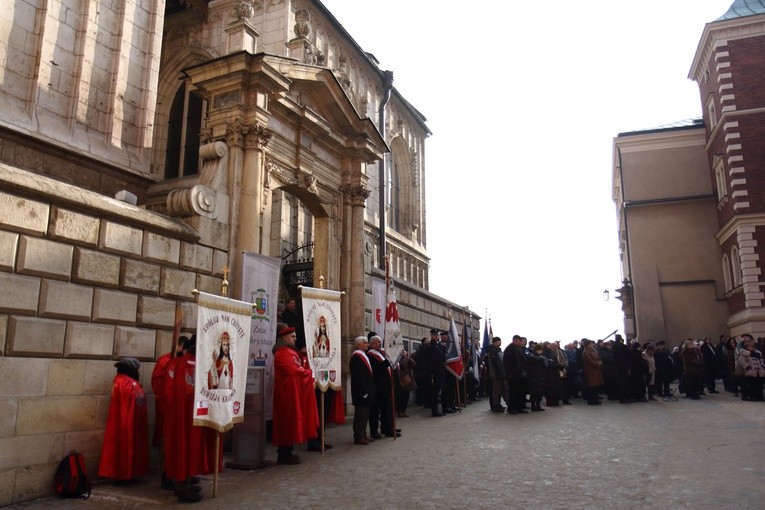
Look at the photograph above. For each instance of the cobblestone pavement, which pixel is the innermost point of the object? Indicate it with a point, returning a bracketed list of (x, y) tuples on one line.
[(707, 454)]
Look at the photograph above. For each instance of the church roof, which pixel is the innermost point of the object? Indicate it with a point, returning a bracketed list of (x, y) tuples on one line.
[(743, 8)]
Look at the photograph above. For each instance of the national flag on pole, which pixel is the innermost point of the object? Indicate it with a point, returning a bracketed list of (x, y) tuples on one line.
[(453, 353), (474, 357), (392, 344), (486, 339)]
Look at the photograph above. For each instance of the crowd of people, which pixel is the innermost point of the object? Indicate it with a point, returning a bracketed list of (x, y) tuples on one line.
[(523, 375)]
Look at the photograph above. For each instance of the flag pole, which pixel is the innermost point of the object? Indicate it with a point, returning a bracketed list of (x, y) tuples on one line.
[(321, 415), (223, 293), (465, 361), (392, 385)]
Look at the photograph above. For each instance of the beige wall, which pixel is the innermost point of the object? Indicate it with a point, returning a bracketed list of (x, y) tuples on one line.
[(668, 223)]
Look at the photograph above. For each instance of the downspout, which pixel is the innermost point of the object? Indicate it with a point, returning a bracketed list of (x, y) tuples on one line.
[(387, 86), (627, 239)]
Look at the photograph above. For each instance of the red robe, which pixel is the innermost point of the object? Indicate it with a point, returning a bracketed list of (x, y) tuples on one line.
[(296, 417), (189, 450), (125, 454), (158, 383)]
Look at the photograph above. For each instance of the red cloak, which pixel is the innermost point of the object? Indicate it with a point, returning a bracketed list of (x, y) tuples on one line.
[(158, 383), (189, 450), (125, 454), (296, 417)]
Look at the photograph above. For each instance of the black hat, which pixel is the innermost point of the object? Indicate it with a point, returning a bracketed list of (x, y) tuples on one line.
[(372, 334), (434, 331)]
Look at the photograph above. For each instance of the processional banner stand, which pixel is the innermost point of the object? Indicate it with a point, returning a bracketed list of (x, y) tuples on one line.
[(220, 378), (322, 326)]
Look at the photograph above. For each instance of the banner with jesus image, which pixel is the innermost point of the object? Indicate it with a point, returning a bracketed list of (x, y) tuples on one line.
[(220, 377), (321, 320)]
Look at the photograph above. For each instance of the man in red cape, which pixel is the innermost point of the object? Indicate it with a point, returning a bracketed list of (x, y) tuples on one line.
[(125, 453), (296, 417), (189, 450)]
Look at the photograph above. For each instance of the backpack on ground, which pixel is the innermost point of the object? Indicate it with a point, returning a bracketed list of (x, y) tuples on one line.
[(71, 479)]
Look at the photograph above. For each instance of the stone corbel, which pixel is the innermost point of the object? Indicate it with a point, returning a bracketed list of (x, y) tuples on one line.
[(202, 199)]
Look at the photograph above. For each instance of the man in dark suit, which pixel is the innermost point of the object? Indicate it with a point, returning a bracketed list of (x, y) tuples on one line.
[(362, 390), (514, 359), (381, 412)]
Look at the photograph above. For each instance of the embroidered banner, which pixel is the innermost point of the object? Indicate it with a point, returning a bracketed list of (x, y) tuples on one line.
[(392, 343), (223, 340), (260, 285), (321, 320)]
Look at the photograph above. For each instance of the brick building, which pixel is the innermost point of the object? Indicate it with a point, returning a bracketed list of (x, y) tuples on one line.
[(144, 145), (717, 234)]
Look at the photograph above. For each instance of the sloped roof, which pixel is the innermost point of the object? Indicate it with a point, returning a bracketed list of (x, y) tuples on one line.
[(692, 123), (743, 8)]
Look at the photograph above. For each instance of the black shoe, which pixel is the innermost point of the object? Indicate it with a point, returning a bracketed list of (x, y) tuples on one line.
[(714, 391), (314, 446), (398, 434), (523, 411), (449, 410), (167, 484), (566, 403), (189, 496), (435, 414), (292, 459), (376, 435), (593, 403), (512, 411)]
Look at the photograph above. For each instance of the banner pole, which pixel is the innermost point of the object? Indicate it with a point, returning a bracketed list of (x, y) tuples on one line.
[(217, 457), (322, 423)]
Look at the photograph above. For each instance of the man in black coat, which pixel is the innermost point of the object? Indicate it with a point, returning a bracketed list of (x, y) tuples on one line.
[(516, 372), (362, 389), (435, 359), (664, 368), (711, 364), (381, 411)]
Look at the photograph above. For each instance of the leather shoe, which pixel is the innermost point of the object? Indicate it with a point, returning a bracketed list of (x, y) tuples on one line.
[(398, 434), (436, 414), (376, 436), (360, 440), (292, 459), (369, 439)]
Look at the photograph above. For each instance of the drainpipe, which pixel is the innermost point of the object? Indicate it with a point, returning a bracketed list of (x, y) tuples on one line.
[(627, 241), (387, 86)]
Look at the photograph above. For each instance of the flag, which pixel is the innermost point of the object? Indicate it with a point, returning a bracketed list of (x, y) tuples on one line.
[(486, 339), (392, 345), (474, 359), (453, 353), (220, 372)]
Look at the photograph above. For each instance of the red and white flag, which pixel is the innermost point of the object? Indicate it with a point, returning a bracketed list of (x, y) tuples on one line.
[(454, 353), (392, 344)]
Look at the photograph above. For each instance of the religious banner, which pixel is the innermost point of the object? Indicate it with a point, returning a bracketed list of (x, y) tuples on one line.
[(260, 285), (223, 340), (392, 343), (321, 319), (379, 294)]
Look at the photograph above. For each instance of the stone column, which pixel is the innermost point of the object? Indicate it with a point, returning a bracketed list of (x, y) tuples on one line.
[(358, 196)]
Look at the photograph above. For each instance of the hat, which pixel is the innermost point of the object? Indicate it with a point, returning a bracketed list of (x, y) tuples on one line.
[(370, 335), (131, 363), (285, 331), (444, 333), (433, 331)]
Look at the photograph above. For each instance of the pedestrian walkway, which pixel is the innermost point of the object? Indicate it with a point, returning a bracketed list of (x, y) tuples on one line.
[(706, 454)]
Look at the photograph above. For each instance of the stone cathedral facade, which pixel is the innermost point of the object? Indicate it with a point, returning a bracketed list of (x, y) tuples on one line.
[(144, 145)]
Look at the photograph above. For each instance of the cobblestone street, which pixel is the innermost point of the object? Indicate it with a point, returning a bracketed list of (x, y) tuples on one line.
[(707, 454)]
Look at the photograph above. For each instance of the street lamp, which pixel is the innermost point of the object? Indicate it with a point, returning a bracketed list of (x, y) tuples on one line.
[(606, 295)]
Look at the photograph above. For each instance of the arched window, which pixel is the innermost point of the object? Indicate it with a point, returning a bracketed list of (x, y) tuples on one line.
[(183, 128), (736, 264), (722, 188), (726, 273), (393, 205)]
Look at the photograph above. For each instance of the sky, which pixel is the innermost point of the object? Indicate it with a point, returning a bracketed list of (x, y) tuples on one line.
[(524, 100)]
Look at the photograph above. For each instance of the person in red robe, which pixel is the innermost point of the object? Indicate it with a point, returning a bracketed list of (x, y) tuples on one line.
[(159, 387), (125, 453), (189, 450), (296, 417)]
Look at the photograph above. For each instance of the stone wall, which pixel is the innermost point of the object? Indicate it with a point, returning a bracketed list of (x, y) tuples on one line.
[(84, 280)]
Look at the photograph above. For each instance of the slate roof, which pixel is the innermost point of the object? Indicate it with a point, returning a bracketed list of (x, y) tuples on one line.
[(743, 8)]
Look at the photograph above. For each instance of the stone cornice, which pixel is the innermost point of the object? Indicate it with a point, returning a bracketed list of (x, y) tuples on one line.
[(719, 33), (38, 187), (740, 220)]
